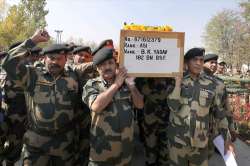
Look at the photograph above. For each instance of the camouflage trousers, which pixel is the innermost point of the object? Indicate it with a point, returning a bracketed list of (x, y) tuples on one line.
[(11, 139), (154, 128), (56, 150), (82, 141), (211, 148), (180, 155)]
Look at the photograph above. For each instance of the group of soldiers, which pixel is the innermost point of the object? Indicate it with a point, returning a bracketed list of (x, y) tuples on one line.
[(73, 106)]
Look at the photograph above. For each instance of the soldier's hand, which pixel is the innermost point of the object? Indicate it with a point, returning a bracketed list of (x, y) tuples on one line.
[(40, 36), (229, 146), (121, 75), (130, 81), (178, 81)]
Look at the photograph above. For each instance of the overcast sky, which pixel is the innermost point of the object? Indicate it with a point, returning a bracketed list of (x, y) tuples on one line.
[(96, 20)]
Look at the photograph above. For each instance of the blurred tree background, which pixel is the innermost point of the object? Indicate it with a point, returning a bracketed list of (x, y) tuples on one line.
[(19, 22), (228, 34)]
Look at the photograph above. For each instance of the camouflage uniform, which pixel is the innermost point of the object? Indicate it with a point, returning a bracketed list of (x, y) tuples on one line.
[(213, 122), (3, 124), (156, 115), (14, 109), (111, 131), (228, 109), (82, 154), (51, 109), (189, 120)]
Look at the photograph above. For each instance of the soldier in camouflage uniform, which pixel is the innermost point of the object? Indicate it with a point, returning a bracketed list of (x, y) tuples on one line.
[(218, 74), (82, 55), (3, 125), (226, 103), (210, 67), (221, 68), (14, 108), (52, 97), (190, 104), (155, 120), (111, 103)]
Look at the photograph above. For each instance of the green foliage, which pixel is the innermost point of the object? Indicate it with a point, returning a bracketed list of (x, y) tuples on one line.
[(13, 27), (228, 35), (35, 12), (21, 21)]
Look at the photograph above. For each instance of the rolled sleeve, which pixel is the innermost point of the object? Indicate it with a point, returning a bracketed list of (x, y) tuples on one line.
[(89, 94), (220, 114), (174, 99), (14, 63)]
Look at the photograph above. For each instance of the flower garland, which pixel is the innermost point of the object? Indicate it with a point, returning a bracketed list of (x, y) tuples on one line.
[(137, 27)]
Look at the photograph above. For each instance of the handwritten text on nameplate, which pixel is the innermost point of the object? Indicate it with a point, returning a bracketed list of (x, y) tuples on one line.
[(151, 54)]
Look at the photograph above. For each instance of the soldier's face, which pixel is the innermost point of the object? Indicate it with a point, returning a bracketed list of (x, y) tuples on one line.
[(55, 63), (82, 57), (211, 66), (221, 69), (70, 56), (195, 65), (107, 69)]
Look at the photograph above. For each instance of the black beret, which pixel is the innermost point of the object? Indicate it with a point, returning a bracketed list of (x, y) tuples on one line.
[(36, 50), (56, 48), (193, 52), (13, 45), (71, 47), (81, 48), (103, 55), (209, 57), (101, 45)]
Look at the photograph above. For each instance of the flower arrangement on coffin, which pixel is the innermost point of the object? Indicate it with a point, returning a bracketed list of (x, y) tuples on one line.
[(138, 27)]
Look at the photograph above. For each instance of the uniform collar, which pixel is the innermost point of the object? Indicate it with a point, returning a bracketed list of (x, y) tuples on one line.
[(106, 84), (202, 76), (65, 72)]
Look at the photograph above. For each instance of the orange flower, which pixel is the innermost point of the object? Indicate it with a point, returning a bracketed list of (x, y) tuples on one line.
[(165, 28)]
